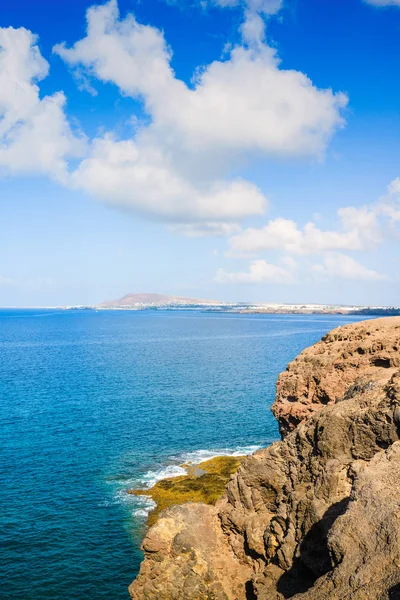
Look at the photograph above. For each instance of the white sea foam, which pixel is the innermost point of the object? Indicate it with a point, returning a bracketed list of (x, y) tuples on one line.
[(152, 477), (144, 506), (198, 456)]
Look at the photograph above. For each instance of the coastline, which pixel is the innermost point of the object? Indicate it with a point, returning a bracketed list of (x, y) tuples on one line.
[(238, 308)]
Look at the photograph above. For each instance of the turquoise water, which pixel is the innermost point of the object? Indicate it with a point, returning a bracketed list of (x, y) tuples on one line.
[(92, 404)]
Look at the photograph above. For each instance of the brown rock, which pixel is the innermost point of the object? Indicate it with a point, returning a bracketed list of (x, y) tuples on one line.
[(357, 354), (188, 558), (364, 542)]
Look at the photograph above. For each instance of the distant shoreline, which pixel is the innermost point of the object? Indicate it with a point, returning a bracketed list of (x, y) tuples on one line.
[(235, 308)]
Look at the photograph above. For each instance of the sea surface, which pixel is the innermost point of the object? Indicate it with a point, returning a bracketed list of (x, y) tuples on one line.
[(95, 403)]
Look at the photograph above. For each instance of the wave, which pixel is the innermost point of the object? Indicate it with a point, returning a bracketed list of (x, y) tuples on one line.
[(145, 506), (198, 456), (150, 478)]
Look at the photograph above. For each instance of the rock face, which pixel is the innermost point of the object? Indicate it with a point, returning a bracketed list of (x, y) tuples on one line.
[(322, 374), (315, 516), (188, 557)]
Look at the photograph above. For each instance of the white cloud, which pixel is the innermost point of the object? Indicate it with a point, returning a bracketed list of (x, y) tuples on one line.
[(394, 186), (35, 136), (246, 103), (266, 7), (260, 271), (176, 167), (131, 175), (253, 27), (255, 14), (340, 266), (360, 229), (389, 205)]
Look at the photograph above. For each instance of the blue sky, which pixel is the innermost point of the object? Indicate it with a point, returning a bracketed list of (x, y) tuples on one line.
[(229, 149)]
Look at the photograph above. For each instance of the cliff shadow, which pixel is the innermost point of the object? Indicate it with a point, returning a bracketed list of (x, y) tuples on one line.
[(314, 559), (394, 592)]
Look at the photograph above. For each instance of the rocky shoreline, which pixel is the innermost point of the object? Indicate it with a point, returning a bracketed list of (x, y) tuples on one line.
[(314, 516), (203, 482)]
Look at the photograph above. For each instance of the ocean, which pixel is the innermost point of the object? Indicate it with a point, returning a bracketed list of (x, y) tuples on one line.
[(95, 403)]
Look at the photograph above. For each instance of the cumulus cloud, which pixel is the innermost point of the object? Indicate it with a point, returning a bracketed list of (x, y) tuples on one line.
[(335, 265), (176, 167), (341, 266), (360, 230), (260, 271), (246, 103), (35, 136), (127, 174)]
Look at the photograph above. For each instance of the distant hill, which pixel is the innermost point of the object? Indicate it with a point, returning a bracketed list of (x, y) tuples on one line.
[(152, 300)]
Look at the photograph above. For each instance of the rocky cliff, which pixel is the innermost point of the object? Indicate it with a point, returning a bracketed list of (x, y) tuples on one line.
[(314, 516), (321, 375)]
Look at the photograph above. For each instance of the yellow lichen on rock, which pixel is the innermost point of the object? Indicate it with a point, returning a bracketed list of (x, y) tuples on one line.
[(204, 483)]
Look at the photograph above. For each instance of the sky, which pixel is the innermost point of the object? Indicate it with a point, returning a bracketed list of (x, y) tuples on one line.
[(241, 150)]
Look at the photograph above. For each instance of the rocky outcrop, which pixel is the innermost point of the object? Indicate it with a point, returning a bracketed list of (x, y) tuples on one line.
[(312, 517), (188, 557), (355, 354)]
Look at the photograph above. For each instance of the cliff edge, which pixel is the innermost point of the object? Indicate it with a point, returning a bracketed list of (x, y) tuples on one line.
[(314, 516)]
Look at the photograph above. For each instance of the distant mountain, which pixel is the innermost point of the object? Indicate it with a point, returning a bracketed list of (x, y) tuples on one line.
[(152, 300)]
